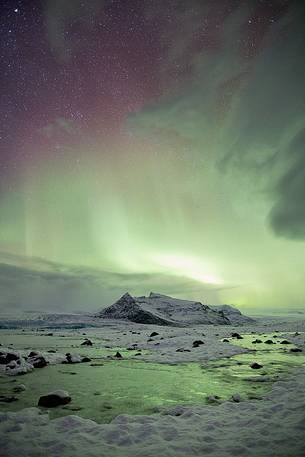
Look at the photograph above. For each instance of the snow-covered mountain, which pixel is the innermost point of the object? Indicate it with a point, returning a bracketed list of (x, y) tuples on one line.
[(233, 314), (162, 310)]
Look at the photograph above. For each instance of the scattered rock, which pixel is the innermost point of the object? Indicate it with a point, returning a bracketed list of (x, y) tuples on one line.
[(197, 343), (236, 398), (38, 362), (7, 357), (213, 399), (19, 388), (237, 336), (53, 399), (85, 359), (33, 354), (87, 343), (256, 366)]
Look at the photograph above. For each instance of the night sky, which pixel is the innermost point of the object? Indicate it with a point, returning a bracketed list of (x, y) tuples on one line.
[(152, 145)]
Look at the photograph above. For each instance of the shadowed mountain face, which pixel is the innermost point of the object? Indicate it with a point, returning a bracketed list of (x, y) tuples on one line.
[(162, 310)]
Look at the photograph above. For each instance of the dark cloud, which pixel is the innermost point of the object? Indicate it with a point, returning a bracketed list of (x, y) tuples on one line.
[(287, 217), (245, 114), (38, 284)]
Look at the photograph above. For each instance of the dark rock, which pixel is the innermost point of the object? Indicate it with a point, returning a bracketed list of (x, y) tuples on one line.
[(39, 362), (153, 334), (236, 398), (256, 341), (269, 342), (33, 354), (285, 342), (87, 343), (183, 350), (53, 399), (213, 399), (7, 357), (256, 366), (68, 357), (85, 359), (296, 350), (237, 336), (225, 340), (197, 343), (19, 388), (52, 351), (118, 355), (49, 334)]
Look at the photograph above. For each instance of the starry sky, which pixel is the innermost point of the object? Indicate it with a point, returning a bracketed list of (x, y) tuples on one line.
[(152, 145)]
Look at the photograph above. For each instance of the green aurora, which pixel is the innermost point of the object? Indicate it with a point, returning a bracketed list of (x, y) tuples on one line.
[(200, 193)]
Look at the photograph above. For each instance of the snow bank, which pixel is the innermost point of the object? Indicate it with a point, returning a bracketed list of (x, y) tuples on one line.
[(272, 427)]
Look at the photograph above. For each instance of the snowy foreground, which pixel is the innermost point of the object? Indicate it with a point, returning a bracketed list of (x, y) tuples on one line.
[(271, 427)]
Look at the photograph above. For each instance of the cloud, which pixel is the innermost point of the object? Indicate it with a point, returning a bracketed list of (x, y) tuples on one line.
[(33, 283), (243, 116)]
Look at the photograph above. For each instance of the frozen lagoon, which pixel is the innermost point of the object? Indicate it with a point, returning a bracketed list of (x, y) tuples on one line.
[(160, 407)]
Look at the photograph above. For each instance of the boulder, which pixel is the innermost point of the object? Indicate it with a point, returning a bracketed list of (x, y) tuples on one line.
[(7, 357), (256, 366), (197, 343), (236, 398), (53, 399), (85, 359), (87, 343), (19, 388), (38, 362), (237, 336)]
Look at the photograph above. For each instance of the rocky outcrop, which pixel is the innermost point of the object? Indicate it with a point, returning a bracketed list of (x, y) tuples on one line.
[(128, 308)]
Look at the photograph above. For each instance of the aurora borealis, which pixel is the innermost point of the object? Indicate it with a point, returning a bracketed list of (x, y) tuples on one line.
[(152, 145)]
